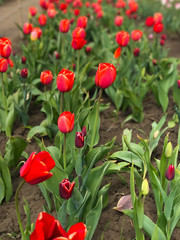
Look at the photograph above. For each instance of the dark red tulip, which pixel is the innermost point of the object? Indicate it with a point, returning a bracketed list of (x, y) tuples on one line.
[(66, 189), (170, 173), (24, 73)]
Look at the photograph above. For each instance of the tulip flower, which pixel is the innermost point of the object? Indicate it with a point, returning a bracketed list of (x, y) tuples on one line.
[(51, 12), (88, 49), (136, 52), (158, 27), (48, 228), (66, 122), (38, 32), (32, 11), (105, 75), (79, 32), (5, 47), (122, 38), (170, 173), (64, 25), (82, 22), (118, 21), (63, 6), (3, 65), (149, 21), (27, 28), (37, 168), (43, 4), (178, 83), (24, 73), (164, 37), (133, 6), (117, 52), (162, 42), (136, 35), (10, 62), (84, 131), (158, 17), (76, 12), (66, 189), (78, 43), (23, 60), (42, 20), (65, 80), (46, 77), (79, 140)]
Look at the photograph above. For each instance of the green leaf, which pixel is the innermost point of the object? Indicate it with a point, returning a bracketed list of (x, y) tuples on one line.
[(104, 193), (175, 218), (10, 120), (2, 190), (37, 129), (46, 196), (62, 214)]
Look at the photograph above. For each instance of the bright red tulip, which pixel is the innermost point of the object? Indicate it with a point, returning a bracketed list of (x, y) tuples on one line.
[(82, 22), (36, 168), (158, 27), (149, 21), (178, 83), (76, 12), (5, 47), (77, 3), (27, 28), (3, 65), (10, 62), (118, 21), (105, 75), (117, 52), (43, 4), (122, 38), (136, 35), (51, 12), (46, 77), (63, 6), (158, 17), (120, 4), (79, 32), (66, 189), (32, 11), (66, 122), (24, 73), (170, 173), (78, 43), (133, 6), (48, 228), (79, 140), (42, 20), (64, 25), (65, 80)]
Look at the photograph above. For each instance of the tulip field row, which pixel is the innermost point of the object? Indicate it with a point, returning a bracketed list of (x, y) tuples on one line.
[(73, 54)]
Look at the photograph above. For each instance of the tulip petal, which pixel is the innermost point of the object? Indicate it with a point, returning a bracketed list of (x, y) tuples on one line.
[(80, 229)]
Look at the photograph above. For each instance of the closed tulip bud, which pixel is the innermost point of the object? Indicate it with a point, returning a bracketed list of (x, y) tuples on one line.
[(57, 55), (151, 36), (5, 47), (156, 134), (164, 37), (66, 189), (65, 80), (122, 38), (32, 11), (63, 6), (27, 28), (162, 42), (168, 150), (74, 66), (170, 173), (79, 140), (38, 32), (82, 22), (118, 21), (158, 17), (136, 35), (145, 187), (64, 25), (3, 65), (76, 12), (88, 49), (23, 60), (24, 73), (78, 43), (154, 61), (158, 27), (43, 4), (178, 83), (51, 12), (42, 20), (117, 52), (136, 52), (84, 131), (66, 122), (46, 77), (79, 32), (149, 21), (105, 75)]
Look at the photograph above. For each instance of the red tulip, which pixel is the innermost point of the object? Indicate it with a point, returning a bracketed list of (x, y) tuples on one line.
[(162, 42), (133, 6), (5, 47), (43, 4), (120, 4), (77, 3), (158, 17), (23, 60), (79, 32), (42, 20), (10, 62), (88, 49), (136, 52), (178, 83), (64, 25), (63, 6), (48, 228), (38, 32), (57, 55), (170, 173), (36, 168), (79, 140), (46, 77), (66, 122), (24, 73), (117, 52), (136, 35), (164, 36), (122, 38), (51, 12), (3, 65), (149, 21), (158, 27), (78, 43), (105, 75), (76, 12), (27, 28), (118, 21), (32, 11), (154, 61), (65, 80), (84, 131), (82, 22), (66, 189)]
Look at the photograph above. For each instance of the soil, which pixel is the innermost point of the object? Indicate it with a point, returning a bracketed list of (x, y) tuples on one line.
[(112, 225)]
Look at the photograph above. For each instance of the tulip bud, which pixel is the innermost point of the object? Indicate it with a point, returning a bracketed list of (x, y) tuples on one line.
[(84, 131), (170, 173), (79, 140), (46, 77), (178, 83), (136, 52), (66, 122), (154, 61), (3, 65), (145, 187), (168, 151), (23, 60), (88, 49), (156, 134), (162, 42), (24, 73), (66, 189), (57, 55)]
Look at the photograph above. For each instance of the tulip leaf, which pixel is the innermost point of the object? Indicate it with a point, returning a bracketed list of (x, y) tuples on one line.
[(62, 214), (104, 193), (74, 202), (10, 120), (2, 190), (46, 196), (37, 129), (175, 218)]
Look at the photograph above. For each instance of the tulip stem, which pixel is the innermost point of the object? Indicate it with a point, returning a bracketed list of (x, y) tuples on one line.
[(96, 119), (3, 93), (61, 103), (17, 209), (64, 152), (78, 60), (45, 93)]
